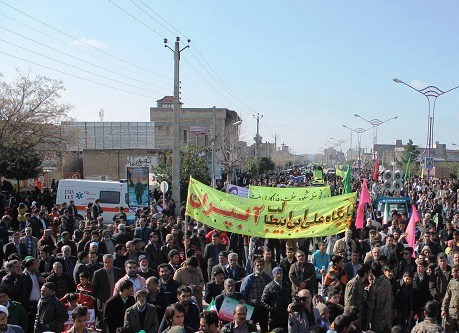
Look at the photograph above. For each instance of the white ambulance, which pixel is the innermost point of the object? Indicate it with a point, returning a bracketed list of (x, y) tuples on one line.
[(112, 195)]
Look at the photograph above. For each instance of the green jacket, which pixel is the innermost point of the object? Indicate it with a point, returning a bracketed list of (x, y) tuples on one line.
[(17, 315)]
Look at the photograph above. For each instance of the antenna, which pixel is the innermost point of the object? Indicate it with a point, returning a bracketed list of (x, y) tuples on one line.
[(101, 115)]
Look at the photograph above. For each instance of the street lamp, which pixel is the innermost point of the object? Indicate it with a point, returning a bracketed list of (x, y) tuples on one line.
[(431, 93), (359, 132), (375, 123)]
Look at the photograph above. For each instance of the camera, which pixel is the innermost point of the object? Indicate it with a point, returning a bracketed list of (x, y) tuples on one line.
[(298, 303)]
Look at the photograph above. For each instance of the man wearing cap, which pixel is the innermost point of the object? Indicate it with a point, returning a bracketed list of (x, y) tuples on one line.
[(51, 312), (222, 263), (141, 316), (276, 298), (17, 313), (143, 269), (153, 250), (214, 287), (4, 326)]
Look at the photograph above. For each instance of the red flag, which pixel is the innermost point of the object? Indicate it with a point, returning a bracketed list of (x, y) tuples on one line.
[(410, 230), (364, 199), (375, 169)]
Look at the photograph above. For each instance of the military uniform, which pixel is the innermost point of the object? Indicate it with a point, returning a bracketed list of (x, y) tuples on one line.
[(451, 306), (380, 305), (353, 296), (428, 325)]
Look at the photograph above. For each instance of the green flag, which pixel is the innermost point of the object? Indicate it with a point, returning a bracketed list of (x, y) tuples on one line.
[(211, 306), (347, 181), (407, 170)]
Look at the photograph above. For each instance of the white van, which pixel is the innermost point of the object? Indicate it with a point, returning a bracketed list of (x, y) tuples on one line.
[(112, 195)]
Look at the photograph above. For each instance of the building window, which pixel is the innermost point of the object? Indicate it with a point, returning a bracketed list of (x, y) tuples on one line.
[(185, 136), (109, 197)]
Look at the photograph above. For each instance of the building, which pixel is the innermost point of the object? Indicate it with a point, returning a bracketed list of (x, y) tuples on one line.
[(211, 129)]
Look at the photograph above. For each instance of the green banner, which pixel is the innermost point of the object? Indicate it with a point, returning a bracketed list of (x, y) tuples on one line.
[(289, 193), (269, 219)]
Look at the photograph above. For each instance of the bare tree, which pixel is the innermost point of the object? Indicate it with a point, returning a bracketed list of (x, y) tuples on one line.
[(30, 114)]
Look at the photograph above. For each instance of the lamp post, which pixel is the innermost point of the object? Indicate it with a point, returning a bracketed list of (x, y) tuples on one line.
[(375, 123), (359, 132), (431, 93), (339, 142)]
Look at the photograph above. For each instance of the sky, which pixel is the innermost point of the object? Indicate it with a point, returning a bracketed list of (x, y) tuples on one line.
[(307, 67)]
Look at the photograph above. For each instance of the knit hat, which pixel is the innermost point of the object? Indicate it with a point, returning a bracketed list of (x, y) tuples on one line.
[(277, 270), (50, 286), (4, 310), (140, 292)]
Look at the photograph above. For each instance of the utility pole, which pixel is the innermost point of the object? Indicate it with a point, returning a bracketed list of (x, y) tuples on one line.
[(275, 142), (258, 133), (176, 124)]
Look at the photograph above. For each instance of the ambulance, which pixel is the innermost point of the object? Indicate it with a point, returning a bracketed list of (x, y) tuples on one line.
[(112, 195)]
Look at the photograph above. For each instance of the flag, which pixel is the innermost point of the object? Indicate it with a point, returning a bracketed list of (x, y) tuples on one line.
[(407, 170), (375, 169), (410, 230), (347, 180), (211, 306), (364, 199)]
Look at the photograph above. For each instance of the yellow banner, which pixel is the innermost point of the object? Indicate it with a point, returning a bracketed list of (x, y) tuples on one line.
[(269, 219), (289, 193)]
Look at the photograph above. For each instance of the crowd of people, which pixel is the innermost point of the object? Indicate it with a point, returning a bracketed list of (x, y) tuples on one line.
[(161, 274)]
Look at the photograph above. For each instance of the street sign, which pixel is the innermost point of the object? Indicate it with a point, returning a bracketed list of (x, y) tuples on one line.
[(429, 163), (164, 186)]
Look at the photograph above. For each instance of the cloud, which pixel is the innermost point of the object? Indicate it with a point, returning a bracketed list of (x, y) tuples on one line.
[(418, 84), (90, 42)]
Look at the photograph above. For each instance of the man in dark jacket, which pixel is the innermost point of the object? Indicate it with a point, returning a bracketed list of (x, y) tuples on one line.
[(103, 283), (276, 298), (51, 312), (211, 253), (302, 273), (115, 307)]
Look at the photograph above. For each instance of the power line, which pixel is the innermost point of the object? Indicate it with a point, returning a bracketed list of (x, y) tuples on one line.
[(87, 62), (78, 77), (143, 10), (135, 18), (248, 107), (81, 69), (83, 42), (85, 52), (227, 89), (179, 32)]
